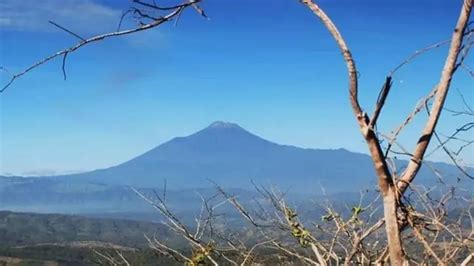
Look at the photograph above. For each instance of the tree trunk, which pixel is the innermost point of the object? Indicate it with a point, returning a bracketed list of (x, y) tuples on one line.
[(390, 205)]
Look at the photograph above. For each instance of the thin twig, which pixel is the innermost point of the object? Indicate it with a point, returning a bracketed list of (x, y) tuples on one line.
[(68, 31)]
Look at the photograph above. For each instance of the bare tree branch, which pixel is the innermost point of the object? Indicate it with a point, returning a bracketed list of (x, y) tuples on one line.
[(440, 97), (176, 10)]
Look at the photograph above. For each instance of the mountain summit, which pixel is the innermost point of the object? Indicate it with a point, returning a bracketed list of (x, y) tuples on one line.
[(223, 128), (222, 124), (220, 129)]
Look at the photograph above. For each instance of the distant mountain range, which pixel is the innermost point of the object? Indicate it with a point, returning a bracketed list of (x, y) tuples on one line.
[(223, 152)]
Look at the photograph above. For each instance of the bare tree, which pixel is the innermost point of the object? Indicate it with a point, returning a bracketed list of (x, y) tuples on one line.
[(393, 187)]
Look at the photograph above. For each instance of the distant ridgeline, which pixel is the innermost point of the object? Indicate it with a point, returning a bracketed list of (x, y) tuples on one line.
[(224, 153)]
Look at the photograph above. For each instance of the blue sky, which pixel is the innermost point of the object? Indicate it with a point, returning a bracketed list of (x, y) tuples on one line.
[(269, 66)]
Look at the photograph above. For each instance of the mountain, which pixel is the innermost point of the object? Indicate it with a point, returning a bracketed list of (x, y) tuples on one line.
[(223, 152), (231, 156)]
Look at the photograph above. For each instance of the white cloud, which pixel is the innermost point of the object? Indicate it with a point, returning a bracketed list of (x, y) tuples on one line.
[(81, 16)]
